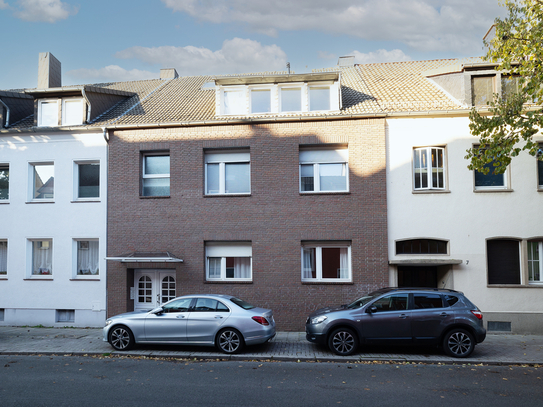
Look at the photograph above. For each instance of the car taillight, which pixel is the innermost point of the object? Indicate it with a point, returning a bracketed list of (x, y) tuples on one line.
[(477, 313), (261, 320)]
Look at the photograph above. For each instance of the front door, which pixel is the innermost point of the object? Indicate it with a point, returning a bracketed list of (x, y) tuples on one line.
[(153, 288)]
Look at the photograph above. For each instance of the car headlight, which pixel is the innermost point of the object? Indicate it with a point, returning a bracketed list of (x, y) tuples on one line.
[(318, 320), (108, 322)]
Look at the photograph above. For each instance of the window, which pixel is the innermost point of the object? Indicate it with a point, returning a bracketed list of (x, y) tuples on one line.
[(421, 246), (72, 112), (65, 315), (319, 98), (3, 257), (48, 113), (42, 257), (539, 171), (291, 99), (482, 88), (425, 301), (260, 100), (156, 175), (182, 305), (227, 172), (229, 261), (510, 86), (503, 261), (209, 305), (4, 182), (326, 262), (391, 302), (535, 265), (88, 180), (43, 181), (429, 168), (324, 170), (87, 258), (234, 101), (490, 180)]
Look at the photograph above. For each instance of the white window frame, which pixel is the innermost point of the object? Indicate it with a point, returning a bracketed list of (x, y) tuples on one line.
[(81, 116), (237, 109), (223, 157), (4, 166), (40, 115), (76, 179), (30, 258), (261, 89), (318, 246), (32, 180), (429, 168), (330, 96), (223, 250), (75, 258), (535, 263), (145, 176), (503, 187), (319, 156), (4, 258)]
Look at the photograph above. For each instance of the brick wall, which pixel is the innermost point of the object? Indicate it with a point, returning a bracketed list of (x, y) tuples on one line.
[(276, 218)]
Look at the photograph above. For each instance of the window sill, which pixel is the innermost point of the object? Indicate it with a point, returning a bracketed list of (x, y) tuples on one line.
[(491, 190), (86, 200), (85, 278), (155, 197), (530, 285), (41, 201), (3, 277), (325, 193), (4, 201), (227, 195), (229, 282), (39, 278), (316, 282), (431, 191)]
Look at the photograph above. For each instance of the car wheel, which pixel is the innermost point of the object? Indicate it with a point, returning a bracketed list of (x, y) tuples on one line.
[(121, 338), (458, 343), (230, 341), (343, 342)]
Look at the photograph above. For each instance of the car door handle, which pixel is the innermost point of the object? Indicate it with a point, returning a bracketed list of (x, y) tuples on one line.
[(403, 316), (444, 314), (180, 316), (218, 316)]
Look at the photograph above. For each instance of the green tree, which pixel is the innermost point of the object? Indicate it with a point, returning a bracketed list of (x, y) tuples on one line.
[(512, 121)]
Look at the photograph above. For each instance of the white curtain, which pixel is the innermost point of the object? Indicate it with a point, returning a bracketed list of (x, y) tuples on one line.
[(3, 257), (242, 267), (88, 258), (308, 263), (214, 267), (344, 262), (43, 257)]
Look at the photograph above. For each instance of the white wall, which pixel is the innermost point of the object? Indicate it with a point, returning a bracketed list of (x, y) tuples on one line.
[(462, 216), (24, 299)]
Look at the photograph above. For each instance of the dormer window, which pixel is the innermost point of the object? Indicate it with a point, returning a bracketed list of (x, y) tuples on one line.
[(319, 98), (234, 101), (291, 99), (71, 112), (260, 100)]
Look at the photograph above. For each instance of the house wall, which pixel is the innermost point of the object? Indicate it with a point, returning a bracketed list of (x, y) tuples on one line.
[(465, 218), (275, 218), (25, 299)]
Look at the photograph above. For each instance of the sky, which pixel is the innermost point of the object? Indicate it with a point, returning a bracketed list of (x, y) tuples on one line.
[(122, 40)]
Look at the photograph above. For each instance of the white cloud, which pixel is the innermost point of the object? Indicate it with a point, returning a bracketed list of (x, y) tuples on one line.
[(381, 55), (236, 56), (429, 25), (3, 5), (111, 73), (49, 11)]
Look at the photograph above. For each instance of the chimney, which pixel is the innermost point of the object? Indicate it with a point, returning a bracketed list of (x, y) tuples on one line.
[(49, 73), (168, 73), (346, 62)]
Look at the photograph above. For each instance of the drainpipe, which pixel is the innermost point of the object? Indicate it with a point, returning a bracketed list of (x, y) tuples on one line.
[(88, 104), (7, 114), (105, 134)]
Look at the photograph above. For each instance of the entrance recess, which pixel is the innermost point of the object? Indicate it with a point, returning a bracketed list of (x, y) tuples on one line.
[(153, 288), (417, 276)]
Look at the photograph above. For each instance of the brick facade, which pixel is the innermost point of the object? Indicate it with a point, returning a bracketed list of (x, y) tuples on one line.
[(275, 218)]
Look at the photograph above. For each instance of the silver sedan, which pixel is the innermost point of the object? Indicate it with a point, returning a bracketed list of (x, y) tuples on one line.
[(209, 320)]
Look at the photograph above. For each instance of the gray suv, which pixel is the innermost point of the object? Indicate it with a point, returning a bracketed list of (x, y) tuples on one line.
[(400, 316)]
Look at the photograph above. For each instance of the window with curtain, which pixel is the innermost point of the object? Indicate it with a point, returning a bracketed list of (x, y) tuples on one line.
[(87, 257), (4, 181), (429, 168), (42, 257), (72, 112), (156, 175), (3, 257), (326, 262), (324, 170), (535, 265), (227, 172), (228, 261)]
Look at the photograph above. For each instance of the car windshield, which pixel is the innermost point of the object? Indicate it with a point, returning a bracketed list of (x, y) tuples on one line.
[(241, 303), (364, 300)]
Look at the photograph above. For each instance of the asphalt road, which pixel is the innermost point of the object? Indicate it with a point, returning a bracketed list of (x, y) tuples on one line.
[(104, 381)]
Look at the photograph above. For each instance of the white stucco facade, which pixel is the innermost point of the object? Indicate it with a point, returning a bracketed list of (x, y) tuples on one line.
[(465, 218), (63, 296)]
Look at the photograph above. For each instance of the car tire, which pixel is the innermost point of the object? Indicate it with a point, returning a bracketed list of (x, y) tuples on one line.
[(121, 338), (343, 342), (458, 343), (229, 341)]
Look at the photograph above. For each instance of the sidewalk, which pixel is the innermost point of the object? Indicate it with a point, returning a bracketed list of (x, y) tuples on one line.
[(286, 346)]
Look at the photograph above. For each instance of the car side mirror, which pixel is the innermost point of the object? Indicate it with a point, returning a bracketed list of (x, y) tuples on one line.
[(157, 311), (371, 309)]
